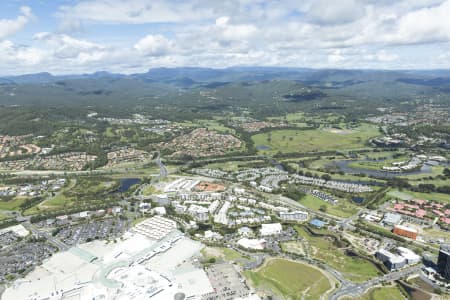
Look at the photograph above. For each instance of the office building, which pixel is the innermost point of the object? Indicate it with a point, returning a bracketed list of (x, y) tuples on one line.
[(443, 263)]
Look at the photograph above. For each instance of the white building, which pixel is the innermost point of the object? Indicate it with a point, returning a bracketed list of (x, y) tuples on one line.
[(294, 216), (179, 208), (211, 235), (245, 231), (162, 199), (239, 191), (160, 210), (409, 255), (116, 210), (270, 229), (155, 228), (144, 207), (84, 214), (200, 213), (256, 244), (390, 260), (18, 230)]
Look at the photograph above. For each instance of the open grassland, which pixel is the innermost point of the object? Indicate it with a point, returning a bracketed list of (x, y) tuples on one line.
[(435, 170), (378, 165), (12, 204), (3, 217), (226, 254), (301, 118), (352, 267), (291, 140), (86, 191), (293, 247), (435, 233), (215, 125), (335, 176), (407, 195), (150, 190), (381, 293), (232, 166), (290, 279), (343, 209)]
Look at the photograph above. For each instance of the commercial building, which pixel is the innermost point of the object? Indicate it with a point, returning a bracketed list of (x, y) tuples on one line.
[(245, 231), (443, 263), (155, 227), (405, 231), (390, 260), (294, 216), (270, 229), (252, 243), (393, 261), (135, 267), (162, 199), (200, 213), (160, 210), (391, 219), (19, 230), (409, 255)]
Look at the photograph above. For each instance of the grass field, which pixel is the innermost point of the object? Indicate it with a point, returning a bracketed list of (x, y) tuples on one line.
[(232, 165), (290, 140), (149, 190), (353, 268), (215, 125), (4, 216), (291, 280), (382, 293), (407, 195), (293, 247), (342, 209), (85, 191), (377, 165), (12, 204), (335, 176), (225, 254)]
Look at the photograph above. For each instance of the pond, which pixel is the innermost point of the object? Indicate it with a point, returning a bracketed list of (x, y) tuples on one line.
[(263, 147), (126, 183)]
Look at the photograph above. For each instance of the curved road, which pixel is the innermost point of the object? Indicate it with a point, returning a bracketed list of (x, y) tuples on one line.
[(357, 289)]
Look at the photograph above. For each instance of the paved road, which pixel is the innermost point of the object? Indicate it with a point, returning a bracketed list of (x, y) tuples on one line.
[(163, 172), (51, 239), (354, 290)]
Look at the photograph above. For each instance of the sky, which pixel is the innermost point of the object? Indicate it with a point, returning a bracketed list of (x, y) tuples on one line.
[(132, 36)]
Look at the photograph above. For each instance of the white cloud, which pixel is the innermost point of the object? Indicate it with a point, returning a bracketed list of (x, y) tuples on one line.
[(231, 32), (336, 57), (17, 56), (133, 11), (9, 27), (335, 12), (154, 45), (314, 33), (430, 24), (64, 46)]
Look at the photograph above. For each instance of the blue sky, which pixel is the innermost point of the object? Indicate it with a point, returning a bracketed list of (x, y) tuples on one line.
[(127, 36)]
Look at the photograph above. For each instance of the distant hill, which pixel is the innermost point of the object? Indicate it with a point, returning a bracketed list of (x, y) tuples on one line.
[(193, 76)]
